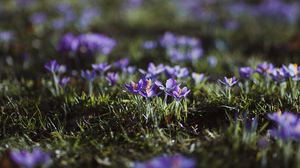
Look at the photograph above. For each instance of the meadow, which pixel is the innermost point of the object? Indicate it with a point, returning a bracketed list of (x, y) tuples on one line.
[(149, 83)]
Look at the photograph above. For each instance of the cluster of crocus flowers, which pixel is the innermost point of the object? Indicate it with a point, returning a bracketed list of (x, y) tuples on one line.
[(147, 88), (288, 126), (175, 161), (181, 48), (86, 44), (57, 70), (278, 74), (177, 72), (144, 87), (27, 159)]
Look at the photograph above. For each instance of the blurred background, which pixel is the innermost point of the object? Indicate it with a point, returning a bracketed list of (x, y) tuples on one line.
[(30, 30)]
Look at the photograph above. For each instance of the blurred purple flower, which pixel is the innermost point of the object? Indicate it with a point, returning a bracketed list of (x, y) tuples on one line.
[(67, 43), (30, 159), (265, 68), (112, 78), (64, 81), (88, 14), (153, 71), (102, 67), (246, 72), (129, 70), (212, 61), (53, 67), (122, 63), (38, 18), (6, 36), (279, 74), (176, 161), (176, 72), (288, 125), (181, 48), (229, 82), (149, 45), (87, 44), (89, 75), (198, 78)]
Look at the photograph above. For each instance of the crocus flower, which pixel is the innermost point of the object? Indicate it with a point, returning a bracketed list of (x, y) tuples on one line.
[(89, 75), (264, 68), (102, 67), (112, 78), (176, 72), (38, 18), (179, 93), (30, 159), (64, 81), (53, 67), (293, 71), (198, 78), (6, 36), (129, 69), (288, 125), (122, 63), (86, 44), (245, 72), (153, 71), (229, 82), (135, 87), (149, 45), (181, 48), (67, 43), (90, 44), (279, 74), (149, 89), (170, 86), (176, 161)]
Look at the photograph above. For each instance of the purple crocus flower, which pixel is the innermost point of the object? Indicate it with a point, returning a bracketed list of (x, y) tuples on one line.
[(170, 86), (6, 36), (229, 82), (176, 72), (245, 72), (292, 71), (279, 74), (89, 75), (30, 159), (38, 18), (53, 67), (179, 93), (102, 67), (129, 69), (288, 125), (176, 161), (68, 43), (90, 44), (122, 63), (135, 87), (264, 68), (198, 78), (87, 44), (149, 45), (149, 89), (112, 78), (153, 71), (64, 81)]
